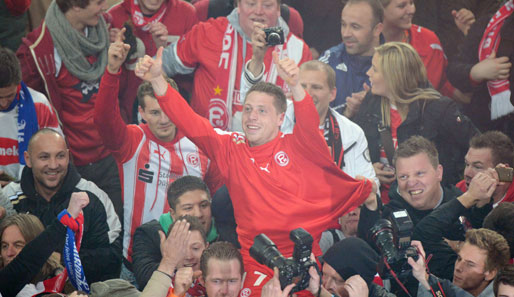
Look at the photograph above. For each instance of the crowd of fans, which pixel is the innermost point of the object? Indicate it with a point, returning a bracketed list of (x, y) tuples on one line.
[(147, 146)]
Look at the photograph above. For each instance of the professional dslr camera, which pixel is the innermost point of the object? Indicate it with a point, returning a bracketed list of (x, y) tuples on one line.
[(292, 270), (274, 36), (392, 237)]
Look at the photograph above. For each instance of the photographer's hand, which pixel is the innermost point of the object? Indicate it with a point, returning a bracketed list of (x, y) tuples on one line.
[(272, 287), (356, 286), (419, 270)]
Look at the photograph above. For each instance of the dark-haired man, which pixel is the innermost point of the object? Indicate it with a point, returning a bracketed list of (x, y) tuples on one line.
[(488, 150), (188, 195), (45, 189), (361, 26), (22, 112), (149, 156), (276, 182)]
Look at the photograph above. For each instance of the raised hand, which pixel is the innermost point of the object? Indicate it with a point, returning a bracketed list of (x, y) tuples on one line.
[(159, 34), (463, 19), (287, 70), (173, 248), (259, 48), (354, 102), (149, 68), (183, 280), (78, 201), (482, 187), (118, 51)]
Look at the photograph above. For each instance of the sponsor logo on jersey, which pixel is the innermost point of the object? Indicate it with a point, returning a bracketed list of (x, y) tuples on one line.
[(8, 151), (282, 158), (145, 175)]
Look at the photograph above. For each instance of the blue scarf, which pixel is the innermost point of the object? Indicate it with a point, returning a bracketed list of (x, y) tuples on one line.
[(27, 119), (70, 253)]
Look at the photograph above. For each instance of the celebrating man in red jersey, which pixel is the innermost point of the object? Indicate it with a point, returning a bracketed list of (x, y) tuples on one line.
[(276, 182)]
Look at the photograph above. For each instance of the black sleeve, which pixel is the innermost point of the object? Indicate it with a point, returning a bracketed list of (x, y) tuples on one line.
[(431, 230), (101, 260), (460, 67), (146, 253), (30, 260)]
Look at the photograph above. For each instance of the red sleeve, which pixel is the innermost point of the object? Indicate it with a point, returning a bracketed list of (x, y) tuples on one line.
[(202, 9), (189, 47), (112, 129), (17, 7), (195, 127), (295, 22), (46, 116), (192, 17)]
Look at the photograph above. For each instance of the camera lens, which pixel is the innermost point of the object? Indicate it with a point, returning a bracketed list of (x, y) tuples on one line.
[(273, 38)]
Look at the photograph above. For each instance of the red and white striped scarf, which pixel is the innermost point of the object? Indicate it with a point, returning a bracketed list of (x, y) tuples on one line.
[(498, 89), (140, 20)]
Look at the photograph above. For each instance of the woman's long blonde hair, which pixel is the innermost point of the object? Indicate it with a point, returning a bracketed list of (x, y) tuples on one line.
[(405, 76)]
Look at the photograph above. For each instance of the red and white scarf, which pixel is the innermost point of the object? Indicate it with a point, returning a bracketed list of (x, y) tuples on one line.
[(224, 96), (498, 89), (140, 20)]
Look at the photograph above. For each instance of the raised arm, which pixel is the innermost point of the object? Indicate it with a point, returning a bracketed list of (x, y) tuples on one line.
[(194, 127)]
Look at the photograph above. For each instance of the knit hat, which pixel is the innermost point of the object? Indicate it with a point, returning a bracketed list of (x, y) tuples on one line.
[(352, 256)]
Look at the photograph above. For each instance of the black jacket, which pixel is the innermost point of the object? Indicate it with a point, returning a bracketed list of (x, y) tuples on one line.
[(437, 120), (100, 258), (453, 231), (459, 75), (31, 259), (433, 228)]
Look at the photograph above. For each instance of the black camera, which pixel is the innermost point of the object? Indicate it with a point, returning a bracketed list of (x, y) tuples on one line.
[(274, 35), (292, 270), (393, 239)]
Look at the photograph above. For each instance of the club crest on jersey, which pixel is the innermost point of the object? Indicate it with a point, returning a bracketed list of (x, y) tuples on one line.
[(217, 115), (238, 138), (282, 159), (246, 292), (193, 159)]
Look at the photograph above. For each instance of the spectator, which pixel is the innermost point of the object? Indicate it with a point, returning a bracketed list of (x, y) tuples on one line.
[(345, 139), (482, 65), (27, 258), (361, 26), (221, 266), (504, 282), (156, 23), (268, 173), (206, 9), (22, 112), (187, 195), (349, 257), (150, 156), (481, 257), (488, 150), (348, 228), (402, 104), (418, 190), (398, 26), (65, 57), (47, 184), (434, 228), (217, 92)]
